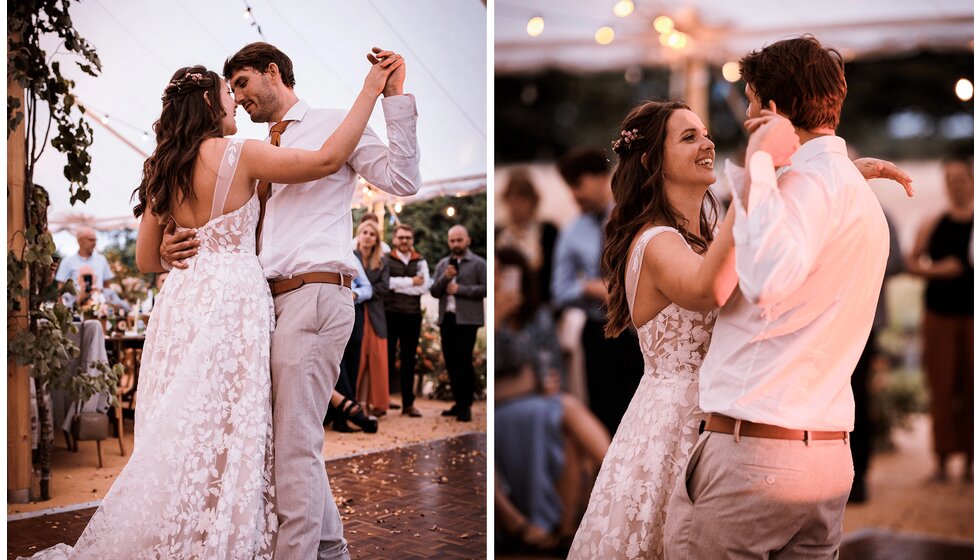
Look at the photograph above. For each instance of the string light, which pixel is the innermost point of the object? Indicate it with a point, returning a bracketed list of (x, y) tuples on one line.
[(248, 15), (535, 26), (605, 35), (398, 207), (450, 211), (145, 137), (623, 8), (105, 119), (663, 24), (730, 72), (964, 89)]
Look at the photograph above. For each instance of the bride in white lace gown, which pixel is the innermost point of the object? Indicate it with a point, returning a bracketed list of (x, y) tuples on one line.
[(662, 280), (199, 482)]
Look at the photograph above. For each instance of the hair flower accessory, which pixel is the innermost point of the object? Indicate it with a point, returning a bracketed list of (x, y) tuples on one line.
[(627, 137), (177, 86)]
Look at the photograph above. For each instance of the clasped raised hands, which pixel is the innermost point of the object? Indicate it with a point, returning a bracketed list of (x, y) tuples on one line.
[(395, 79), (384, 66)]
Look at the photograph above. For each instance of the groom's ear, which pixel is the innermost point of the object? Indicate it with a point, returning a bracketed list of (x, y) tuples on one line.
[(273, 71)]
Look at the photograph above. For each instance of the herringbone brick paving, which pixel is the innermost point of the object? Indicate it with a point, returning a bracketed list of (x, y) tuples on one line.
[(421, 501)]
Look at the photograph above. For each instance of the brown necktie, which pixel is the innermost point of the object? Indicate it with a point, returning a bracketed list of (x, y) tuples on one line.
[(265, 188)]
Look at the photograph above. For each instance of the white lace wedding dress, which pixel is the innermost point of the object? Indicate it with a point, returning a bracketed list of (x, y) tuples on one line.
[(199, 482), (628, 507)]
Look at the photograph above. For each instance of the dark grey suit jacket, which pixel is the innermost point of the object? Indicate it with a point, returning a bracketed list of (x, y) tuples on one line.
[(472, 281)]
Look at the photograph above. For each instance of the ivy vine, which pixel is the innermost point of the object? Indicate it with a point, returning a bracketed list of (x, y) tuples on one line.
[(45, 345)]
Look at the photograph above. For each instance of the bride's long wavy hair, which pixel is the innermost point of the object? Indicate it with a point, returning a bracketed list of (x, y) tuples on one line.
[(640, 199), (186, 121)]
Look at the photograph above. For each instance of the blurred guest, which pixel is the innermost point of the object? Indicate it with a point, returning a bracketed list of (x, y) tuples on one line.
[(548, 446), (460, 286), (350, 363), (372, 376), (943, 256), (862, 438), (613, 366), (533, 238), (371, 217), (86, 255), (408, 280)]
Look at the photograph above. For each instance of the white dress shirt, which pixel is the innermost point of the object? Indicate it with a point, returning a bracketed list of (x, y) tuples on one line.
[(307, 226), (810, 252), (404, 284)]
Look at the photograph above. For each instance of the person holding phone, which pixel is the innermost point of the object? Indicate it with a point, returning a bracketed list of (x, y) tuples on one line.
[(460, 285), (87, 257)]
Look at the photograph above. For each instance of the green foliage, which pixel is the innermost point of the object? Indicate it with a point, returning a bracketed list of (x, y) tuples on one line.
[(45, 345), (431, 224), (901, 395), (30, 66), (431, 365)]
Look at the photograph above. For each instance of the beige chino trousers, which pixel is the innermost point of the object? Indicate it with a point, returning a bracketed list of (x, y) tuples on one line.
[(759, 498), (313, 324)]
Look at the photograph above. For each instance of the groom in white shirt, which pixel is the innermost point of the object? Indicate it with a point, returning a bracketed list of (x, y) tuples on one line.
[(304, 249), (770, 475)]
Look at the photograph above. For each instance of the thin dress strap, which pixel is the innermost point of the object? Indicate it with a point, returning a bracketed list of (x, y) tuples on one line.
[(226, 172), (636, 261)]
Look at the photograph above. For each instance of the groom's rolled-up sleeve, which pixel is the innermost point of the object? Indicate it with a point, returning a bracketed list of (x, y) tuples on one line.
[(781, 232), (393, 168)]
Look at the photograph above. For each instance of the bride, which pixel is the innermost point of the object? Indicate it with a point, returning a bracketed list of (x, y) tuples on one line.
[(199, 482), (661, 277), (669, 268)]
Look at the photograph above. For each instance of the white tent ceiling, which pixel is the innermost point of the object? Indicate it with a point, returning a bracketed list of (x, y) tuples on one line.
[(718, 30), (141, 43)]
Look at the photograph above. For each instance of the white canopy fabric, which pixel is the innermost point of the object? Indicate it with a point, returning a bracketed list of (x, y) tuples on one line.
[(142, 43), (718, 31)]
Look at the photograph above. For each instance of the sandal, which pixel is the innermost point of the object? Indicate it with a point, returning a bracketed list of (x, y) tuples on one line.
[(353, 411)]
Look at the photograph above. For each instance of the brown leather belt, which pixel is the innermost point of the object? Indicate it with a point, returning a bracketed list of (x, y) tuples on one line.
[(726, 425), (284, 285)]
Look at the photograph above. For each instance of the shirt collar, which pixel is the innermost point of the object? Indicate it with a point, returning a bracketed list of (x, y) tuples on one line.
[(819, 145), (295, 113)]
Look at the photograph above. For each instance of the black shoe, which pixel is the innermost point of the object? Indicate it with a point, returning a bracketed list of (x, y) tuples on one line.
[(454, 411), (412, 412), (353, 411), (340, 425), (464, 415)]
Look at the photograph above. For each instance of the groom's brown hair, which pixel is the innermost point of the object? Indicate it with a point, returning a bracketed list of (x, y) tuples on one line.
[(259, 56), (804, 78)]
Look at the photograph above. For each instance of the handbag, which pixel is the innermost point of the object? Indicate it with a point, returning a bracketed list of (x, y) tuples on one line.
[(88, 426)]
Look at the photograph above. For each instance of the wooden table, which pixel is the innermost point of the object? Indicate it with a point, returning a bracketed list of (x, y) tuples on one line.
[(115, 345)]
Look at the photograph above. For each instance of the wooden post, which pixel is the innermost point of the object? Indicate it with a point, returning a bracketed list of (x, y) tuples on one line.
[(18, 377)]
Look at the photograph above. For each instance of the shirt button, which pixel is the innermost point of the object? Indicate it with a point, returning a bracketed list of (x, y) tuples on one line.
[(771, 479)]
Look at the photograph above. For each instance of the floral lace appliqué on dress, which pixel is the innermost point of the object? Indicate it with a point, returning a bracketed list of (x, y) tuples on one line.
[(199, 482), (628, 506)]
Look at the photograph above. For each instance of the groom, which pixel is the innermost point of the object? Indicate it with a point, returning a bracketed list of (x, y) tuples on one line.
[(304, 249), (770, 474)]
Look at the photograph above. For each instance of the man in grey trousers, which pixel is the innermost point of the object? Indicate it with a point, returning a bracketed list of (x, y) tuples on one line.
[(461, 286), (304, 249)]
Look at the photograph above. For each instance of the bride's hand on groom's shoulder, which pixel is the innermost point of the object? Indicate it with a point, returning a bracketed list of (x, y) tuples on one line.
[(396, 80)]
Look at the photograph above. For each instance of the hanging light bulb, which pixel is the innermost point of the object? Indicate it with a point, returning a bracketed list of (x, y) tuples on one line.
[(450, 211), (605, 35), (964, 89), (398, 207), (145, 137), (105, 119), (247, 14), (535, 26), (623, 8)]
